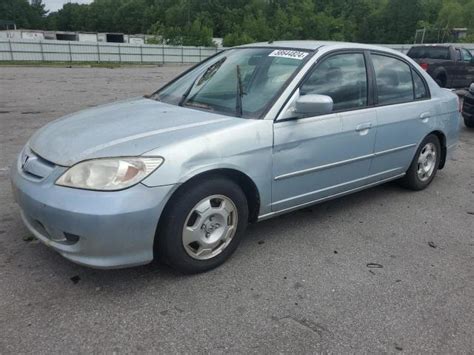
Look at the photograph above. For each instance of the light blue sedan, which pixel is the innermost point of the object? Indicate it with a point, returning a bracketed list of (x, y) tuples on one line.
[(246, 135)]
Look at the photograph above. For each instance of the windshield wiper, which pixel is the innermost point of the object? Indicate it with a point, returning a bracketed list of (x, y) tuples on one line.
[(187, 92), (240, 94), (208, 74)]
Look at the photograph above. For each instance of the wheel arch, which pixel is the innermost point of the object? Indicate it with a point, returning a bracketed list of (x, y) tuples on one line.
[(442, 141), (245, 182)]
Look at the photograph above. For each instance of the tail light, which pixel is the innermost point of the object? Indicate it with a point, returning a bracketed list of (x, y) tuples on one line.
[(424, 66)]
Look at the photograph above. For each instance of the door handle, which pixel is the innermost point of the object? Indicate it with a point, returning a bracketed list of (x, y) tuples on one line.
[(425, 115), (363, 127)]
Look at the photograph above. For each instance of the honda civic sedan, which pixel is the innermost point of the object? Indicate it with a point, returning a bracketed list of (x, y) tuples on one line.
[(246, 135)]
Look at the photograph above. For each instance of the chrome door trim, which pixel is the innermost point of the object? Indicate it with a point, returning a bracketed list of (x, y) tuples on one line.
[(336, 186), (322, 167), (392, 150), (342, 162), (289, 209)]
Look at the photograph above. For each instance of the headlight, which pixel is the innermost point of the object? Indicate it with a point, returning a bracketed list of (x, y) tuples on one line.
[(109, 173)]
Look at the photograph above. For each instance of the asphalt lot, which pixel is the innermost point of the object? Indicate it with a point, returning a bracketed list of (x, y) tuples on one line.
[(298, 283)]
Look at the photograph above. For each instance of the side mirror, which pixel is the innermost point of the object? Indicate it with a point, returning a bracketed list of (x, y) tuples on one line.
[(313, 105), (471, 88)]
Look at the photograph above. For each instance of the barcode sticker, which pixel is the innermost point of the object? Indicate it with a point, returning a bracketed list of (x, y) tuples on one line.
[(285, 53)]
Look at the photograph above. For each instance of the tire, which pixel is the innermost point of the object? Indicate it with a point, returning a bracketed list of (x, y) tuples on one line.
[(197, 233), (469, 122), (418, 178), (441, 80)]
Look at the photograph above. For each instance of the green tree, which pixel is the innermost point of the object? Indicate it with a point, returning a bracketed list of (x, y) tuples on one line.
[(72, 17), (194, 22), (451, 14), (398, 21), (129, 17), (24, 14)]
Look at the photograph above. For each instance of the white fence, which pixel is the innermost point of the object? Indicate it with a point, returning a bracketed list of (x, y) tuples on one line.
[(64, 51)]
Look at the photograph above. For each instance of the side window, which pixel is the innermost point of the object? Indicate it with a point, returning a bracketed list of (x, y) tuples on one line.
[(458, 55), (394, 80), (420, 88), (343, 77), (466, 55)]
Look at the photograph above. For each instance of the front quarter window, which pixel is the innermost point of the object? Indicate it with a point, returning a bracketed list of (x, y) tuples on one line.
[(241, 82)]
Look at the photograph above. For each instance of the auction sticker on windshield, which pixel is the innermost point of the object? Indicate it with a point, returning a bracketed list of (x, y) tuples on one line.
[(285, 53)]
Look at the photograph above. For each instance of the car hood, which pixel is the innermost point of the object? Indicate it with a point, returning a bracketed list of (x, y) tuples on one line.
[(126, 128)]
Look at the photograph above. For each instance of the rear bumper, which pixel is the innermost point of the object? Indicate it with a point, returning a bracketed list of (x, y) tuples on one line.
[(96, 229)]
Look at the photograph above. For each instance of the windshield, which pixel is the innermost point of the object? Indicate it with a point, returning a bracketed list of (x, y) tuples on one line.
[(429, 52), (241, 82)]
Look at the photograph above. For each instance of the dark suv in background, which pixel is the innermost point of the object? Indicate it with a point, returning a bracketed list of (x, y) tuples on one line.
[(450, 66)]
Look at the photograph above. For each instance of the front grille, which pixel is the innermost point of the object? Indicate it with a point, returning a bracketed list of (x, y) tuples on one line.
[(34, 166)]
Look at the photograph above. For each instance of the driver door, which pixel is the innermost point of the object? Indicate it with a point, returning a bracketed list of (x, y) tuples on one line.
[(320, 156)]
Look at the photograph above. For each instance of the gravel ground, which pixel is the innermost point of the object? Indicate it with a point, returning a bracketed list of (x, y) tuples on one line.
[(298, 283)]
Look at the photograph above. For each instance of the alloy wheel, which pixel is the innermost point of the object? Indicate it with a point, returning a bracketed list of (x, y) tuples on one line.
[(210, 227), (426, 162)]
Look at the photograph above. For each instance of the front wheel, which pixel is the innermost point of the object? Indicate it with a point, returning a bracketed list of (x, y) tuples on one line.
[(203, 225), (424, 165)]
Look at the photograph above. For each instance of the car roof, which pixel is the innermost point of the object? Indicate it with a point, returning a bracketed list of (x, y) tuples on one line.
[(315, 45), (308, 45)]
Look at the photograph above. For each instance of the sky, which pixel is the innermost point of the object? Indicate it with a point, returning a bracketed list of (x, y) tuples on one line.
[(54, 5)]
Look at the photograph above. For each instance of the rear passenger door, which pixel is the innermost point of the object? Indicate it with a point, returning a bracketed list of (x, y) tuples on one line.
[(403, 112)]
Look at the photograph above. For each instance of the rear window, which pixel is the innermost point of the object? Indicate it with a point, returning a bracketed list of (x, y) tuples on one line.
[(429, 52)]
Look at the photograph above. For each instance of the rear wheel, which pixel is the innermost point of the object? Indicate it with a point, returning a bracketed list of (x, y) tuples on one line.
[(424, 165), (441, 80), (203, 225)]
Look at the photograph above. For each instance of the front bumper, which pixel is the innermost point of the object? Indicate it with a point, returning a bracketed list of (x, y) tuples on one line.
[(92, 228)]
